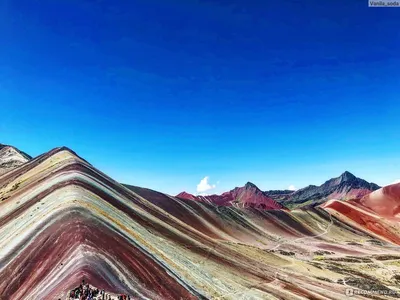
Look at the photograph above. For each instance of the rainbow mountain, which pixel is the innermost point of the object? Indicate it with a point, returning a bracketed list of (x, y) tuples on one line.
[(62, 221)]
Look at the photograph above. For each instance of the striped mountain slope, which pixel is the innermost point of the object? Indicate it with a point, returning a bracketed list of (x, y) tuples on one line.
[(62, 220)]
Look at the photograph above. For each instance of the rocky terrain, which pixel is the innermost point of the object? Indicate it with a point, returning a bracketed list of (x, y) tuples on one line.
[(345, 187), (11, 157), (279, 195)]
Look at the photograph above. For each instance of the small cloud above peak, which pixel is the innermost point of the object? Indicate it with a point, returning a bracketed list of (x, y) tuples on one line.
[(292, 187), (395, 182), (204, 186)]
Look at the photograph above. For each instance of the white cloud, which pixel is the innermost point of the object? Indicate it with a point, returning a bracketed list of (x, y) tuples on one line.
[(205, 186), (396, 181), (292, 187)]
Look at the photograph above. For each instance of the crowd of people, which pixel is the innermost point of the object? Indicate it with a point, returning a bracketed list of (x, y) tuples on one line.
[(86, 292)]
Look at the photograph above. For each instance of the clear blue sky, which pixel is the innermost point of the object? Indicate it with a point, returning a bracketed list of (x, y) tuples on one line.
[(163, 93)]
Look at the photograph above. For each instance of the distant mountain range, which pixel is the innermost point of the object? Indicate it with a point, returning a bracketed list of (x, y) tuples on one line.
[(247, 196), (345, 187)]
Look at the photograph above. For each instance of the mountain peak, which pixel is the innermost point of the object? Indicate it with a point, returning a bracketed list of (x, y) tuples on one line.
[(186, 195), (14, 149), (346, 186), (347, 176), (11, 158), (248, 195), (249, 185)]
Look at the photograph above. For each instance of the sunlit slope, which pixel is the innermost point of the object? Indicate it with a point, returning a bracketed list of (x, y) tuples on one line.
[(10, 158), (377, 213)]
